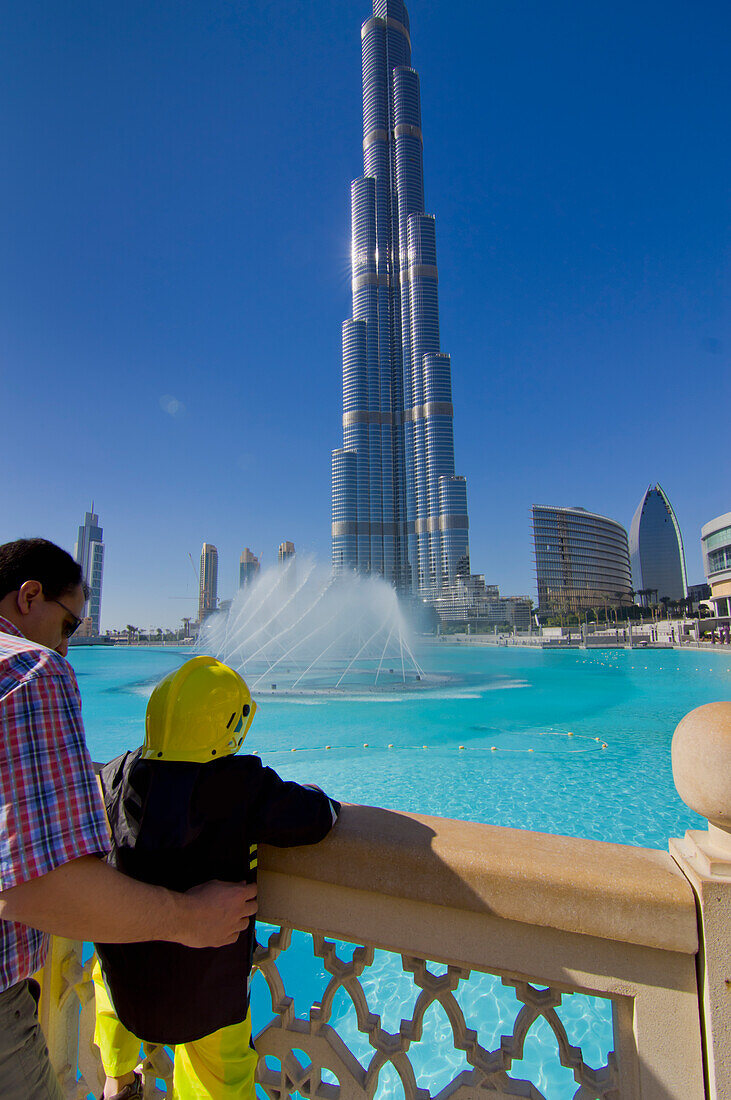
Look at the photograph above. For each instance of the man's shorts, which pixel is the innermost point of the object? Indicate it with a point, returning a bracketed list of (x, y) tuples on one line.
[(25, 1068)]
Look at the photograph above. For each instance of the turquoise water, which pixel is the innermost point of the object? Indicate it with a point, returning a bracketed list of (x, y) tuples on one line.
[(513, 699), (512, 737)]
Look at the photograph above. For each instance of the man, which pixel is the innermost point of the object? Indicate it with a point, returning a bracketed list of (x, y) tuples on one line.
[(53, 828)]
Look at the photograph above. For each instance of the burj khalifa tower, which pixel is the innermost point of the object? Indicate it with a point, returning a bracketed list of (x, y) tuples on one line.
[(398, 509)]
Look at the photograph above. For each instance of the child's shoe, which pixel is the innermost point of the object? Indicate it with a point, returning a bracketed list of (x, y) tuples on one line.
[(129, 1092)]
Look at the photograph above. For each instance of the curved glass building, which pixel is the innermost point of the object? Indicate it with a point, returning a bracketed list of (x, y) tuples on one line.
[(716, 547), (582, 560), (397, 507), (656, 550)]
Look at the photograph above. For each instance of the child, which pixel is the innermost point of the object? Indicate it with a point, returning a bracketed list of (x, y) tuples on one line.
[(184, 809)]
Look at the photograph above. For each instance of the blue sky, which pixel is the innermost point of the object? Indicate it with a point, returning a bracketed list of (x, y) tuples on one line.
[(174, 273)]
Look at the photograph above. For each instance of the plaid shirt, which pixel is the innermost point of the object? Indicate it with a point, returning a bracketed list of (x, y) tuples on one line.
[(50, 807)]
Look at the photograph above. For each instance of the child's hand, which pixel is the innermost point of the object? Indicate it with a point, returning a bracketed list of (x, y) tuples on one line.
[(216, 913)]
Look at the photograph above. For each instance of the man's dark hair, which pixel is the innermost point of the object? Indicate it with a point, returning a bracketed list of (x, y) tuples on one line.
[(38, 560)]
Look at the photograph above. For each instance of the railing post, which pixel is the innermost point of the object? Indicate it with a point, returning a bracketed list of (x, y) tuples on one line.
[(701, 755), (66, 1012)]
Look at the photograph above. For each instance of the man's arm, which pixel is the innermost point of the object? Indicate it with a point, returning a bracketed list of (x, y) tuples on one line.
[(85, 899)]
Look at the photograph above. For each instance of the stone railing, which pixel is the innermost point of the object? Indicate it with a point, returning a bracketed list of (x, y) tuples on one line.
[(434, 908)]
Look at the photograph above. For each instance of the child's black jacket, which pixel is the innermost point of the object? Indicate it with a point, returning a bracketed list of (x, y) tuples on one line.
[(178, 825)]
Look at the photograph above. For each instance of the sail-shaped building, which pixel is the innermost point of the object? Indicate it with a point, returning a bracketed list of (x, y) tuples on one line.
[(656, 550), (398, 509)]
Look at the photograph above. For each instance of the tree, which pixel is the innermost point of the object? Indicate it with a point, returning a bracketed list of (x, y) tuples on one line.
[(619, 604)]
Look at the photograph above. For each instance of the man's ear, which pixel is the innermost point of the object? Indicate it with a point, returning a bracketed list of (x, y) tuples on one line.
[(28, 593)]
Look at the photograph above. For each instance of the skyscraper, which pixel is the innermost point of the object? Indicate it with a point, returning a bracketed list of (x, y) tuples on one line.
[(582, 560), (89, 553), (248, 567), (656, 550), (285, 552), (208, 586), (397, 507)]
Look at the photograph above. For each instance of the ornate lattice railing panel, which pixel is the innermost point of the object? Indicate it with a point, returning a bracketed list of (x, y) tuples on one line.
[(350, 1021), (67, 1016)]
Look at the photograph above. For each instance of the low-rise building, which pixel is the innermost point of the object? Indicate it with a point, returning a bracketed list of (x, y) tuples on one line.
[(716, 548), (469, 600)]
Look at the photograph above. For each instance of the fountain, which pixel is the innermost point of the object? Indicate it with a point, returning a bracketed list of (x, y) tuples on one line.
[(298, 629)]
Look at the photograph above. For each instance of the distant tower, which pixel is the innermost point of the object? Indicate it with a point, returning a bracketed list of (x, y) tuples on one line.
[(208, 590), (89, 553), (398, 508), (656, 550), (248, 567), (286, 551)]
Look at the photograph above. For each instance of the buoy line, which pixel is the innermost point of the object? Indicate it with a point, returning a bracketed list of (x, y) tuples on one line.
[(423, 748)]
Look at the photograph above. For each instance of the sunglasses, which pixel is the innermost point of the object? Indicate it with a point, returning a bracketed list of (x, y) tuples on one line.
[(69, 628)]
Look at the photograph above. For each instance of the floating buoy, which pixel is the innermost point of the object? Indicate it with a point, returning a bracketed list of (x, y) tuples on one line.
[(569, 734), (390, 746), (461, 746), (365, 744), (294, 750), (327, 746), (254, 752), (493, 748), (605, 745), (531, 750), (425, 746)]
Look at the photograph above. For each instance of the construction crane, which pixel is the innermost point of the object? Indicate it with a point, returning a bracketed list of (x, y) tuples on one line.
[(195, 574)]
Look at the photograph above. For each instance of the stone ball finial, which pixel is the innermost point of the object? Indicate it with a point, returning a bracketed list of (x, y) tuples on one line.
[(701, 755)]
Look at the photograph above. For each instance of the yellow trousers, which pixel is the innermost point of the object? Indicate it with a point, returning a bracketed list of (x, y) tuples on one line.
[(220, 1066)]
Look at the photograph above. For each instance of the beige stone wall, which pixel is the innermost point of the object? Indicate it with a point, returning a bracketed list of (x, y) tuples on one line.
[(570, 914), (547, 915)]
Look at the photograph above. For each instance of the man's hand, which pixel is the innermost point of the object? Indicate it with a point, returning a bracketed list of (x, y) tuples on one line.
[(216, 913)]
